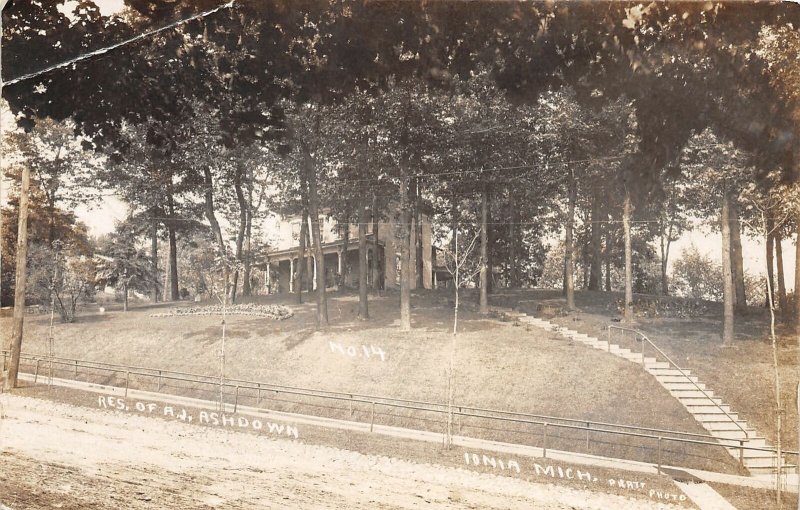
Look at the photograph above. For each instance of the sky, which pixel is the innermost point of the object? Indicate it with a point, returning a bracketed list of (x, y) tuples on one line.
[(753, 251), (107, 7)]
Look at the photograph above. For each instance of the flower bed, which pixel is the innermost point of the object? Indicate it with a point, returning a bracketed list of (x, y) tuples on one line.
[(666, 306), (276, 312)]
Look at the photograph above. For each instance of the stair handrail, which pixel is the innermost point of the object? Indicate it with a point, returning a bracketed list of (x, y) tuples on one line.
[(643, 338)]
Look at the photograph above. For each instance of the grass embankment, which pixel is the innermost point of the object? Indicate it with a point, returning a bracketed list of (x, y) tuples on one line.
[(499, 366), (742, 376)]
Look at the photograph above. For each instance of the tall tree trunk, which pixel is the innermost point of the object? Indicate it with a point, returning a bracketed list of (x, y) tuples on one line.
[(316, 236), (737, 259), (596, 268), (363, 308), (781, 277), (247, 269), (208, 194), (489, 244), (626, 226), (569, 248), (727, 277), (343, 253), (165, 286), (454, 218), (666, 241), (301, 256), (241, 230), (405, 249), (419, 265), (770, 263), (51, 208), (125, 294), (173, 251), (484, 269), (20, 283), (309, 261), (663, 246), (377, 277), (586, 267), (405, 222), (513, 244), (608, 253), (797, 274), (247, 255), (154, 260)]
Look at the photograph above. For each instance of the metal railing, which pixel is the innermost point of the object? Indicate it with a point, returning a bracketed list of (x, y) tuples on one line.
[(543, 421), (641, 337)]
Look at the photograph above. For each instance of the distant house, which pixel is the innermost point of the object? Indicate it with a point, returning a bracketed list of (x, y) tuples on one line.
[(383, 254)]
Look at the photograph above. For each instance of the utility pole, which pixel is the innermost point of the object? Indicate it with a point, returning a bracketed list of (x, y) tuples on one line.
[(19, 282), (15, 344), (2, 153), (10, 379)]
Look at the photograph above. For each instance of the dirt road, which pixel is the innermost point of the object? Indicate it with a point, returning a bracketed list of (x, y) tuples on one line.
[(54, 455)]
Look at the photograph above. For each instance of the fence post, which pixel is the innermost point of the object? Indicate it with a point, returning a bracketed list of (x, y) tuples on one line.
[(372, 418), (258, 395), (608, 339), (236, 400), (741, 452), (544, 440), (127, 381), (350, 406), (159, 380), (642, 340), (659, 454), (587, 436), (4, 361), (76, 369), (36, 375)]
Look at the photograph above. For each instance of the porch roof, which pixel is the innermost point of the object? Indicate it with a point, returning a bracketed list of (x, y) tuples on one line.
[(330, 247)]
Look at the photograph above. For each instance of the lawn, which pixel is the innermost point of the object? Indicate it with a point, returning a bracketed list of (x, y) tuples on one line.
[(499, 365)]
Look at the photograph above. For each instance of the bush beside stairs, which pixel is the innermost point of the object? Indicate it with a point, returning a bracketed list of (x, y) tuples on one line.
[(708, 410)]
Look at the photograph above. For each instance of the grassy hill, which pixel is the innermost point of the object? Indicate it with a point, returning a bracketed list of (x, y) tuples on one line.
[(741, 376), (499, 365)]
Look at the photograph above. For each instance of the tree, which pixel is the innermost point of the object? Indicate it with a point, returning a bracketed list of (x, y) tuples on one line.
[(43, 222), (727, 277), (457, 265), (684, 68), (671, 223), (363, 216), (718, 171), (626, 226), (76, 284), (462, 266), (121, 264), (766, 203), (697, 276)]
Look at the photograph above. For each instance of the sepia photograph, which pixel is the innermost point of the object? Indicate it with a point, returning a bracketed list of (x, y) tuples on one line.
[(396, 254)]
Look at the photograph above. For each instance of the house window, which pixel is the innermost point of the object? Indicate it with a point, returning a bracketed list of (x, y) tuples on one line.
[(296, 231)]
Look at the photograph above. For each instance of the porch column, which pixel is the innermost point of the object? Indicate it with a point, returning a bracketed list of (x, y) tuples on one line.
[(291, 275), (314, 259)]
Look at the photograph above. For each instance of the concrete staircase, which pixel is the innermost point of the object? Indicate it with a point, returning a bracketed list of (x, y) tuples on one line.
[(717, 418)]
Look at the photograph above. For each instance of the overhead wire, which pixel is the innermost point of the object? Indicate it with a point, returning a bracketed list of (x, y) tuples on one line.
[(125, 42)]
